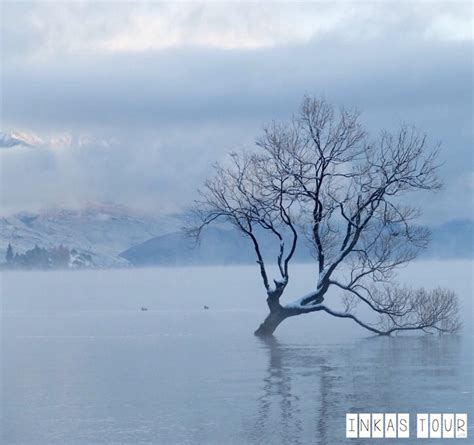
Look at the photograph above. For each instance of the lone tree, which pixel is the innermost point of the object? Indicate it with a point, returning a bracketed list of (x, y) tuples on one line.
[(319, 178)]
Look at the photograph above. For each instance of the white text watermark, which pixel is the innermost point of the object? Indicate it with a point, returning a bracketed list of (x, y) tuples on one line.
[(397, 425)]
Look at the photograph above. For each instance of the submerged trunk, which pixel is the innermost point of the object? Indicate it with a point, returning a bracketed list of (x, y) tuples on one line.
[(272, 321), (278, 313)]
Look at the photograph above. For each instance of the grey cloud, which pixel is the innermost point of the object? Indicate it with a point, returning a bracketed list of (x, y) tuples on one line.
[(173, 112), (197, 84)]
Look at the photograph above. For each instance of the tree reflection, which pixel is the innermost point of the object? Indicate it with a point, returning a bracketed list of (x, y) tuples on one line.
[(277, 393), (307, 389), (293, 370)]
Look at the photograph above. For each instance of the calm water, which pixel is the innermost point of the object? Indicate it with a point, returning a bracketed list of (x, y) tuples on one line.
[(82, 364)]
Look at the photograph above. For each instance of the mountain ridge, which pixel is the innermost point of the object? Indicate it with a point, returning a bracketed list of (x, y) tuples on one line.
[(116, 236), (222, 246)]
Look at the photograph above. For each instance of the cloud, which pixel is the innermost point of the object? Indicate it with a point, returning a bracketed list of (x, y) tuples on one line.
[(145, 171), (133, 103), (49, 29), (199, 84)]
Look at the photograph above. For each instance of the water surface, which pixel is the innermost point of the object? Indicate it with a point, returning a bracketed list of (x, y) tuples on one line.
[(82, 364)]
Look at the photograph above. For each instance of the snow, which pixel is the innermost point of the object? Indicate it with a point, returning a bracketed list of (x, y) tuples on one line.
[(297, 304)]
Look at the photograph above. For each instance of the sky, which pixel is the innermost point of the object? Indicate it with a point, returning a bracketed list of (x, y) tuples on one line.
[(131, 103)]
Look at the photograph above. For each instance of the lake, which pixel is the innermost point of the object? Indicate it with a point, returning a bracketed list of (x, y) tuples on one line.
[(81, 363)]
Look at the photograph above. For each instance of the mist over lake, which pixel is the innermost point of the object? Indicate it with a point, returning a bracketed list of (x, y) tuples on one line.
[(82, 363)]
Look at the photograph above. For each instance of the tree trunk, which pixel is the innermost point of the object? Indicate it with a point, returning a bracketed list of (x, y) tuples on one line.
[(274, 318)]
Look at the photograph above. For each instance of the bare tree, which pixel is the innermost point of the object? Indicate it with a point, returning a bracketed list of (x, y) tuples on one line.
[(320, 179)]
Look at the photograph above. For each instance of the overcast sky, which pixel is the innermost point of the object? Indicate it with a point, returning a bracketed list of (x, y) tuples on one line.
[(131, 103)]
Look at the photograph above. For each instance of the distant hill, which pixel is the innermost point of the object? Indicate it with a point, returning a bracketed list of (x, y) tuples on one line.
[(221, 246), (454, 239), (216, 246)]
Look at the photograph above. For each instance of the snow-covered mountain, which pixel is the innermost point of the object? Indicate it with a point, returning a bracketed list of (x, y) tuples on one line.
[(99, 230), (8, 140)]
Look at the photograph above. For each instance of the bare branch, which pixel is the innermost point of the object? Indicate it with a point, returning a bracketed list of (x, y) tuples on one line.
[(322, 176)]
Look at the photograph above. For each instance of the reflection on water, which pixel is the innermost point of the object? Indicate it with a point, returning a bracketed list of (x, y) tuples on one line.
[(277, 390), (173, 388), (82, 364), (306, 391)]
